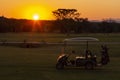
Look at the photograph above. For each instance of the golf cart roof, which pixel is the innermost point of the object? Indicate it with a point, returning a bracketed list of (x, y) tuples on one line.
[(81, 39)]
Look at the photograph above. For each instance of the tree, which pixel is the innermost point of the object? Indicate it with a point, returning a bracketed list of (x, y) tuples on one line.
[(61, 14), (65, 19)]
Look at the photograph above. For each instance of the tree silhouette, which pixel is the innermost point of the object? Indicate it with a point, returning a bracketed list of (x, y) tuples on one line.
[(65, 19), (66, 22), (66, 14)]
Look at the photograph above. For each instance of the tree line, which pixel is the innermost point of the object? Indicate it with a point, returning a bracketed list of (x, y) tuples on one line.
[(67, 21)]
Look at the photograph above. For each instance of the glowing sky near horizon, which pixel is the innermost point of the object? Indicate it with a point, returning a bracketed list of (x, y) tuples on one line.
[(92, 9)]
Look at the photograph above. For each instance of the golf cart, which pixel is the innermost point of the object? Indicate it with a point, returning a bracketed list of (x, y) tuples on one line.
[(88, 61)]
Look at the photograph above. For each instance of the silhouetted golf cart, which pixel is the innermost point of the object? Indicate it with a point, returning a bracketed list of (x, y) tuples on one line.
[(88, 61)]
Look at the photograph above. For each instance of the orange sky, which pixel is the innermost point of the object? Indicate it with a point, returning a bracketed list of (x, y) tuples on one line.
[(92, 9)]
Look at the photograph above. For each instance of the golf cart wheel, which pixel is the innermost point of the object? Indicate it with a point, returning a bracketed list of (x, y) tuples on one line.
[(59, 66), (89, 66)]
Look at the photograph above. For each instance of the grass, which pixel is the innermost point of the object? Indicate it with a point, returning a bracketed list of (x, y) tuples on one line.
[(55, 37), (39, 63)]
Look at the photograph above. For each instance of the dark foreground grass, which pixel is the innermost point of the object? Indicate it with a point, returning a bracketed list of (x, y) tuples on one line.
[(39, 64)]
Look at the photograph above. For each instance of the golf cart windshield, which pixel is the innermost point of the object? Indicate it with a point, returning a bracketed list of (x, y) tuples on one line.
[(81, 39)]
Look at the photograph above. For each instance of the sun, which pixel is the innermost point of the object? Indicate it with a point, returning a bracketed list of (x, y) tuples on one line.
[(36, 17), (37, 12)]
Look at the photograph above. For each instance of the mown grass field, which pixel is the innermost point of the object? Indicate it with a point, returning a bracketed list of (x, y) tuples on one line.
[(39, 63), (56, 37)]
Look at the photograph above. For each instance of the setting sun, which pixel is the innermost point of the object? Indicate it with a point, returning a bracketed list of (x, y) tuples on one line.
[(35, 17), (35, 12)]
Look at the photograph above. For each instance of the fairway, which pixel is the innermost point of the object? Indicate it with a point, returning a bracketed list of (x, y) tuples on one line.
[(51, 37), (39, 63)]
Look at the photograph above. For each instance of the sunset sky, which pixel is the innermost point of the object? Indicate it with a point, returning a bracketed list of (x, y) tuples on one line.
[(92, 9)]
